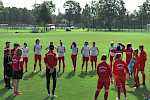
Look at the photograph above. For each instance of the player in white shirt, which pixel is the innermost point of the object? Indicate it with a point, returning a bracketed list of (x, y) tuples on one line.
[(74, 54), (61, 51), (37, 52), (25, 51), (94, 51), (85, 51)]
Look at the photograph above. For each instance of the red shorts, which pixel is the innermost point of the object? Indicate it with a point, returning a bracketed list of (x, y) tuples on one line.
[(61, 58), (25, 59), (37, 58), (85, 58), (93, 58), (120, 81), (142, 66), (103, 83), (73, 57)]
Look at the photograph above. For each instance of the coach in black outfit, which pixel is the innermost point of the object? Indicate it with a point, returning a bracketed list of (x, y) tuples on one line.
[(7, 62)]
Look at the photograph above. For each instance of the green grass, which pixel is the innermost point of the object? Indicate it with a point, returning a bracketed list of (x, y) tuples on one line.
[(71, 86)]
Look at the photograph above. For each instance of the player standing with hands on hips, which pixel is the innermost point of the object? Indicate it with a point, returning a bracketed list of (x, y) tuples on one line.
[(51, 62)]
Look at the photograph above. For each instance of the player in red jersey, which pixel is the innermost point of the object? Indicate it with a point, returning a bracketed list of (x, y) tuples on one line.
[(94, 52), (74, 54), (51, 62), (136, 68), (129, 52), (105, 77), (120, 71), (17, 65), (143, 59), (13, 51)]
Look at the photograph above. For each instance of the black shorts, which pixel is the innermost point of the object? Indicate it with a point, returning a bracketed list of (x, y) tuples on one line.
[(17, 75)]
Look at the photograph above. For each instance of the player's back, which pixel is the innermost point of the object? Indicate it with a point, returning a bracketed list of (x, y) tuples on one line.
[(103, 70), (120, 68)]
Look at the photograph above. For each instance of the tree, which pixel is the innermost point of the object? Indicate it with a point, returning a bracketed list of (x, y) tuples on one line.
[(43, 12), (72, 12), (86, 16), (109, 10)]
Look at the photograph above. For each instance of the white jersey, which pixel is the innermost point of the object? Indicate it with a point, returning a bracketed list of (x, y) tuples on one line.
[(94, 51), (85, 51), (60, 51), (38, 49), (25, 52), (74, 50)]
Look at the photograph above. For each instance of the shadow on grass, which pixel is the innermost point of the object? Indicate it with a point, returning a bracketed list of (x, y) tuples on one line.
[(130, 82), (10, 97), (140, 92), (91, 73), (3, 91), (1, 81), (83, 74), (59, 74), (31, 75), (70, 75), (49, 98), (43, 75)]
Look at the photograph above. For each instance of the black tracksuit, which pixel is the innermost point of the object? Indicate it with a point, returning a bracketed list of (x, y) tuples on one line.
[(48, 76), (7, 70)]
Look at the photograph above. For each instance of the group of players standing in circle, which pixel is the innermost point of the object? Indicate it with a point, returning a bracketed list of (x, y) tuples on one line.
[(16, 58)]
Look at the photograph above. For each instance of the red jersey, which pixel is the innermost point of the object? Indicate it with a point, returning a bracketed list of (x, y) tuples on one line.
[(50, 59), (143, 56), (17, 63), (13, 51), (137, 63), (104, 71), (128, 55), (120, 69)]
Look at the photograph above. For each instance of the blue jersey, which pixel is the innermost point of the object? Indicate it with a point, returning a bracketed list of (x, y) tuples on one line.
[(131, 65)]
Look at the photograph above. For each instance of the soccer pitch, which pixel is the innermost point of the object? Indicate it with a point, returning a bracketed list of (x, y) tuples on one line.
[(71, 86)]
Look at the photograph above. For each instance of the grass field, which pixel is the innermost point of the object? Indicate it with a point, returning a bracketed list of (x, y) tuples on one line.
[(71, 86)]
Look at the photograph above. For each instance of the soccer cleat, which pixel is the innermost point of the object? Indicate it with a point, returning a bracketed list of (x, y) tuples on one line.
[(54, 96), (125, 98), (34, 71), (117, 98), (49, 95)]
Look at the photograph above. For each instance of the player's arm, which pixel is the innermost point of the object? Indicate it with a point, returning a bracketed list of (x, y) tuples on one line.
[(45, 61), (82, 50), (64, 49), (97, 51)]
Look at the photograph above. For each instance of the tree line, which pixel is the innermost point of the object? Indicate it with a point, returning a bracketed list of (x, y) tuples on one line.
[(101, 14)]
